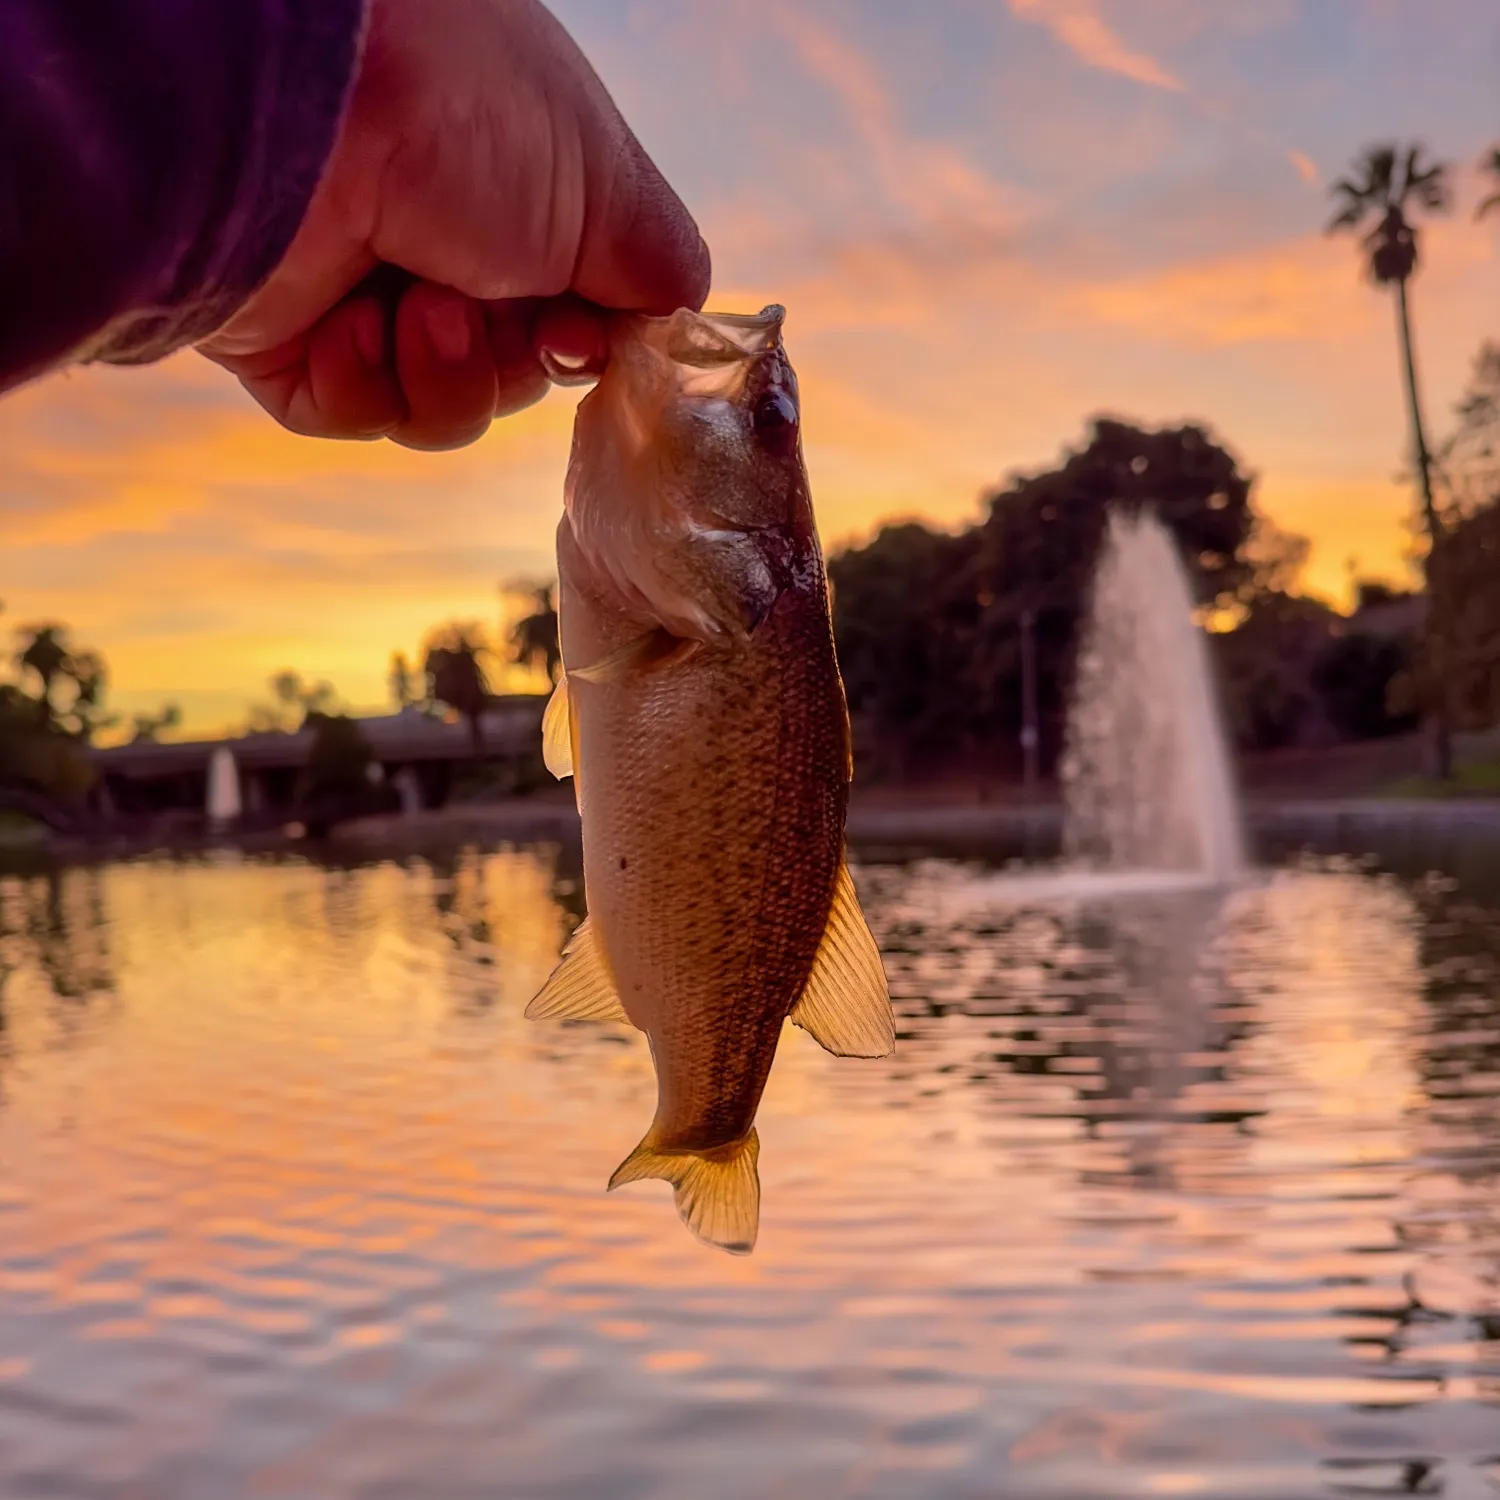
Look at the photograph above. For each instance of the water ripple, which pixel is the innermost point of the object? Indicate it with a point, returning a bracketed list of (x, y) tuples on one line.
[(1178, 1193)]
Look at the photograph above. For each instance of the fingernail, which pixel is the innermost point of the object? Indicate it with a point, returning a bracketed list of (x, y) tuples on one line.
[(450, 331), (570, 369), (369, 336)]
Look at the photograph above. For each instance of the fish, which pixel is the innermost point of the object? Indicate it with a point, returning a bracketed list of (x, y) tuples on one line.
[(702, 717)]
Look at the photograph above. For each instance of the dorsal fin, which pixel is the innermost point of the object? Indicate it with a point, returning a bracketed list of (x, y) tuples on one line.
[(580, 987), (846, 1004)]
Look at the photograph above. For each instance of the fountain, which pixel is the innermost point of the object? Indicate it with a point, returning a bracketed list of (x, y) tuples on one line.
[(222, 801), (1146, 777), (1149, 802)]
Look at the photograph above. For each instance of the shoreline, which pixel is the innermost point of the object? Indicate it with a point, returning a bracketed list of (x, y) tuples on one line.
[(924, 820)]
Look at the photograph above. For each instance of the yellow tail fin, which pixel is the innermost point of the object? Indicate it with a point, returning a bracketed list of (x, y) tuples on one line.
[(718, 1191)]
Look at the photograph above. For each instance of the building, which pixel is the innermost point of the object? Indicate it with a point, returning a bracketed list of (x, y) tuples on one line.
[(418, 755)]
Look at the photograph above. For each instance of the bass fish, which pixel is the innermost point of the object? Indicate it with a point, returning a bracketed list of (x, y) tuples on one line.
[(702, 717)]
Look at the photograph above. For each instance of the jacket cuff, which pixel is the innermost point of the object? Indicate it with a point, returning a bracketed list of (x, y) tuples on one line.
[(296, 111)]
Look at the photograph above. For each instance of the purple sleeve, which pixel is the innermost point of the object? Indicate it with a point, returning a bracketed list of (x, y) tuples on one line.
[(156, 158)]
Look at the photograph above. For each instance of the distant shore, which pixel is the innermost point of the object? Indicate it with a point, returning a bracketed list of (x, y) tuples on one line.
[(897, 817), (956, 820), (1415, 833)]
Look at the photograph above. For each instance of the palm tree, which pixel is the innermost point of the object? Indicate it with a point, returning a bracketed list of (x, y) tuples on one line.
[(454, 668), (534, 638), (45, 653), (400, 679), (1490, 166), (1387, 185), (148, 727), (90, 678), (297, 700)]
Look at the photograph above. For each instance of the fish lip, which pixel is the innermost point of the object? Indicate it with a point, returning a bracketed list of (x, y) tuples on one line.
[(771, 316), (748, 334)]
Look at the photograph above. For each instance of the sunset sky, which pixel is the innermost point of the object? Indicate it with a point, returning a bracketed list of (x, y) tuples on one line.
[(987, 219)]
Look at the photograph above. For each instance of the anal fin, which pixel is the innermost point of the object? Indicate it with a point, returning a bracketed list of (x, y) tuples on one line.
[(717, 1192), (846, 1004), (580, 987)]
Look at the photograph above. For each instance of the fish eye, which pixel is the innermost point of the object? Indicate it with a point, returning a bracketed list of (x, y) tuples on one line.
[(775, 415)]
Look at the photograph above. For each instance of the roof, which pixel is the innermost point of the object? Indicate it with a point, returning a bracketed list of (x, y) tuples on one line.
[(511, 726), (1391, 618)]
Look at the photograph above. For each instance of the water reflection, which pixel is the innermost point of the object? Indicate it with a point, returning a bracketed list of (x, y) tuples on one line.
[(55, 945), (58, 923), (1184, 1193)]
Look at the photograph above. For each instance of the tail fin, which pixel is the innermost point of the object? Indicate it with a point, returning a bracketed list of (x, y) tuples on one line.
[(718, 1191)]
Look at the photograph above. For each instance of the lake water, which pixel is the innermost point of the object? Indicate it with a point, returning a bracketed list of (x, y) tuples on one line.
[(1170, 1194)]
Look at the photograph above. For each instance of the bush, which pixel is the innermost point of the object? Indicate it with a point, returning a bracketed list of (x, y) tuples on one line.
[(1355, 676)]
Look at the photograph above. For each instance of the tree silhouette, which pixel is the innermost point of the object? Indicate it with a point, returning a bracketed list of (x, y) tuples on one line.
[(1387, 187), (453, 665), (147, 728), (400, 677), (90, 677), (1471, 454), (534, 638), (1471, 469), (296, 700), (931, 624), (1490, 166), (45, 653), (339, 779), (1474, 654)]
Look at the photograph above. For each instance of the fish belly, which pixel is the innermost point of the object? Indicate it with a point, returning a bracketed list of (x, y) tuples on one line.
[(712, 793)]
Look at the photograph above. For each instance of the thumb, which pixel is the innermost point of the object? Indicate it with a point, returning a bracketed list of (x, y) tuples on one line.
[(640, 249)]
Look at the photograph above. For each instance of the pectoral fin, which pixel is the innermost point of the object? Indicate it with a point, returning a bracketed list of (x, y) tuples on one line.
[(558, 732), (580, 988), (717, 1192), (646, 653), (846, 1006)]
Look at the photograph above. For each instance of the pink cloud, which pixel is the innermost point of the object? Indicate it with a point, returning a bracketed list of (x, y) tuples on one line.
[(1080, 27), (932, 181), (1307, 168)]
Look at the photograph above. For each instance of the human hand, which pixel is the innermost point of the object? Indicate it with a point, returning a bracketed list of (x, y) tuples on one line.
[(481, 158)]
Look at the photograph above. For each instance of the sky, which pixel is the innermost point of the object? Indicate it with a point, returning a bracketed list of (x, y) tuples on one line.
[(988, 220)]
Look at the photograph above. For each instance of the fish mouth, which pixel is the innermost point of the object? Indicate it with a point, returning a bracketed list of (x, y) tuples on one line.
[(709, 340), (699, 340), (754, 333)]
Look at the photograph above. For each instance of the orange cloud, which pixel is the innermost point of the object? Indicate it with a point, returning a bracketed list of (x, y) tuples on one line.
[(202, 548), (947, 326), (1303, 291), (1079, 26), (127, 458), (1308, 290)]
